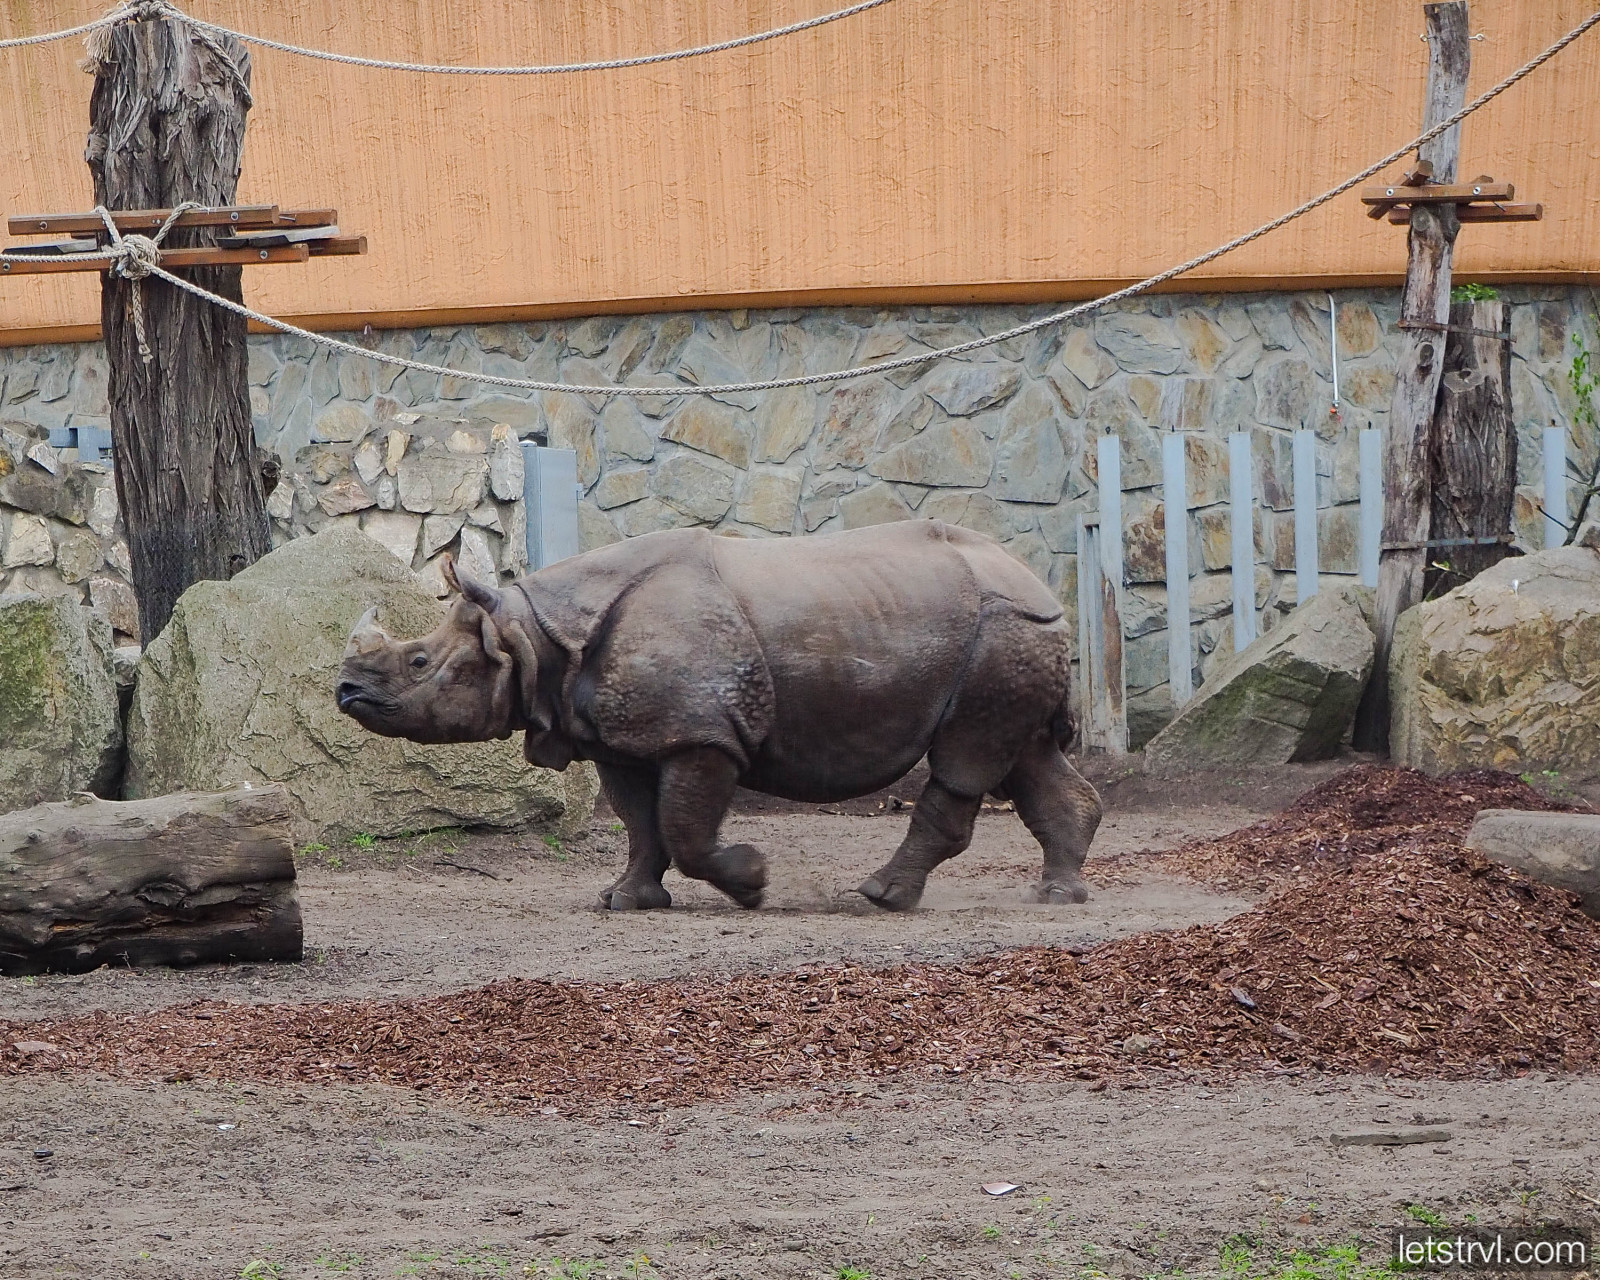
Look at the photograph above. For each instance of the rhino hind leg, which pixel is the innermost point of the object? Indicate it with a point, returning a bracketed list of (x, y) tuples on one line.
[(696, 788), (941, 827), (1062, 810), (632, 796)]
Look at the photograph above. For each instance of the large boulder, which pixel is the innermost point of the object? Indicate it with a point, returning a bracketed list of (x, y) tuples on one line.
[(1504, 671), (59, 730), (1562, 849), (1290, 696), (239, 688)]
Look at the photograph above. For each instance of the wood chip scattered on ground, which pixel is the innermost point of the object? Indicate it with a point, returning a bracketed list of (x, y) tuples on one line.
[(1395, 949)]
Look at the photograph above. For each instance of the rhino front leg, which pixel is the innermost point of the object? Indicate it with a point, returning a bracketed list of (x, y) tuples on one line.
[(632, 796), (696, 788)]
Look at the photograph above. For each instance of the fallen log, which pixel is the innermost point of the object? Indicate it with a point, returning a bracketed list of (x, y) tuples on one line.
[(177, 880)]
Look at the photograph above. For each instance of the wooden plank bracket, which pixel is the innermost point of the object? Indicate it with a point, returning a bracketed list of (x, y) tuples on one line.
[(256, 235)]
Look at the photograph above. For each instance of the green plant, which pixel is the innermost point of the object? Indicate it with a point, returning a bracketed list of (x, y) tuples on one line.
[(1583, 376), (313, 848), (1425, 1215), (1473, 293), (563, 1268), (341, 1261), (991, 1232), (260, 1269), (361, 840), (335, 861), (852, 1273)]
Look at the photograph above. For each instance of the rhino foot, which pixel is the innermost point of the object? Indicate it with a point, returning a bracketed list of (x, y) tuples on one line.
[(1059, 891), (635, 897), (893, 895), (740, 871)]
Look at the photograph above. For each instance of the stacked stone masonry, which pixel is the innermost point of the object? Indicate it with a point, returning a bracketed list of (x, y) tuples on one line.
[(1001, 440)]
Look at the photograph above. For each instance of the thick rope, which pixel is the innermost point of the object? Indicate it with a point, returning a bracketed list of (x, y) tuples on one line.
[(135, 258), (144, 10), (843, 375), (906, 362), (110, 20)]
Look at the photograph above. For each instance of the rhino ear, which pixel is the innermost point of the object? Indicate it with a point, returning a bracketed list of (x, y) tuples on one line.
[(486, 598), (516, 640)]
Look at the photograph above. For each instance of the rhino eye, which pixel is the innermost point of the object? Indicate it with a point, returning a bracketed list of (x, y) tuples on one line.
[(420, 661)]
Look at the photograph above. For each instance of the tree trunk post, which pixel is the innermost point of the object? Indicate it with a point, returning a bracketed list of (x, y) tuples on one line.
[(1474, 460), (166, 125), (1424, 311)]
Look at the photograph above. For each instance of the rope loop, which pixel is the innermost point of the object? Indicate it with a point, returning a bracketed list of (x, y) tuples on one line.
[(135, 257)]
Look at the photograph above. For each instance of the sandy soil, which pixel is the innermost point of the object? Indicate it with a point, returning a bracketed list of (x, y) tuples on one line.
[(205, 1179)]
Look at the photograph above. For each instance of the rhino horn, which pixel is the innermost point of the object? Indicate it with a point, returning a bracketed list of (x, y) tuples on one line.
[(367, 634), (486, 598)]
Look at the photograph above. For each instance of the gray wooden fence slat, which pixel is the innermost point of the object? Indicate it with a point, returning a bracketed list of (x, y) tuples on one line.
[(1175, 494), (550, 499), (1091, 670), (1109, 456), (1555, 486), (1242, 512), (1305, 514), (1371, 493)]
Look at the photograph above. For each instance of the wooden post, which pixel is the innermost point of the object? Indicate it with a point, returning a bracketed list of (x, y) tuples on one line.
[(1109, 539), (1556, 530), (166, 125), (1474, 446), (1424, 311), (1371, 493)]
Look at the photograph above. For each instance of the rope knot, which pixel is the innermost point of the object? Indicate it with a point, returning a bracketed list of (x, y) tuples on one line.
[(134, 257)]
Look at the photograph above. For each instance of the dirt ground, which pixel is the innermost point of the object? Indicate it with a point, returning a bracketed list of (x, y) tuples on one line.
[(206, 1178)]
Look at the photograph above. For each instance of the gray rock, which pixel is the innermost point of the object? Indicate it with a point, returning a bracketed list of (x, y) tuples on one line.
[(947, 453), (1561, 849), (505, 465), (1031, 462), (394, 531), (438, 532), (478, 557), (618, 488), (769, 500), (1290, 696), (784, 423), (645, 516), (439, 482), (625, 434), (103, 512), (1139, 343), (1500, 672), (699, 489), (27, 542), (113, 600), (717, 429), (962, 390), (59, 726), (876, 504), (1083, 357), (238, 688), (78, 554), (1284, 393)]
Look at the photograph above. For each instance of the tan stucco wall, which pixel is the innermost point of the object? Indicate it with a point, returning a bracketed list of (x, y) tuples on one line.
[(937, 149)]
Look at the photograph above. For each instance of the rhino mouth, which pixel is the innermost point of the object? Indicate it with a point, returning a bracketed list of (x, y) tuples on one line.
[(353, 697)]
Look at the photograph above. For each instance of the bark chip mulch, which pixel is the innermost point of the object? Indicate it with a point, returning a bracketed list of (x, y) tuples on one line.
[(1402, 952), (1364, 810)]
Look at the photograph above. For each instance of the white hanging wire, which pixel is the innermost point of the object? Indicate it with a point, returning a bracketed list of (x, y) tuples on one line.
[(145, 10)]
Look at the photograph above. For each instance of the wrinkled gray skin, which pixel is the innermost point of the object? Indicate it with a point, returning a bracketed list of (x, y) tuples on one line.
[(686, 665)]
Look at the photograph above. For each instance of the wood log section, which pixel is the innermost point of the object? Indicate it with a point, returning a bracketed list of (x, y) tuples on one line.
[(178, 880), (1424, 310), (1473, 446), (166, 125)]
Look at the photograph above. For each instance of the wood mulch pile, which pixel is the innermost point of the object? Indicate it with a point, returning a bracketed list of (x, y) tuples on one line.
[(1364, 810), (1403, 953)]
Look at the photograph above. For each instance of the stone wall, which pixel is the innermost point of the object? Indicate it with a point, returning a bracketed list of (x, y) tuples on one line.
[(1001, 440)]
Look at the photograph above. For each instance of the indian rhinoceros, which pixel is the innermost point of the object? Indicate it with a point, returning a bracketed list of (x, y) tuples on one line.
[(817, 668)]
